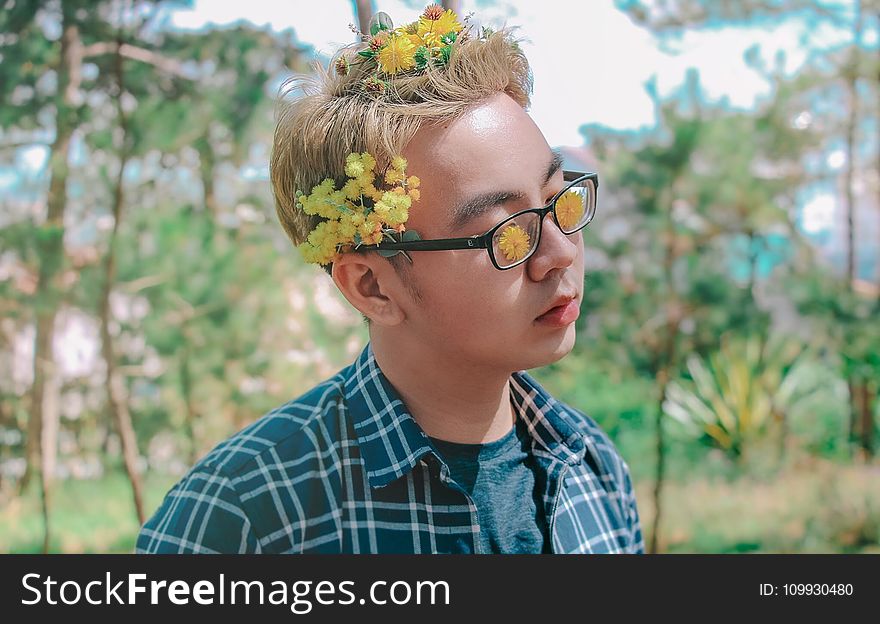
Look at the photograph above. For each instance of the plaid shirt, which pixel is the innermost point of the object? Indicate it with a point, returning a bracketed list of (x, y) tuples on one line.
[(345, 469)]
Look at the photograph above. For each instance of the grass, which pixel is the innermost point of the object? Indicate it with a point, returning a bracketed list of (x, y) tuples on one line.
[(812, 505), (90, 516)]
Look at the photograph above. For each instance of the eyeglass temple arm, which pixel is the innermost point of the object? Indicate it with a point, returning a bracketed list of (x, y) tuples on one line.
[(474, 242)]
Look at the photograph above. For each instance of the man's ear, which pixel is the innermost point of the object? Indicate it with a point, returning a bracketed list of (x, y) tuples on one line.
[(370, 284)]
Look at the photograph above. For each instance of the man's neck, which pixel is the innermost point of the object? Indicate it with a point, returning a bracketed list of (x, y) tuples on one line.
[(450, 400)]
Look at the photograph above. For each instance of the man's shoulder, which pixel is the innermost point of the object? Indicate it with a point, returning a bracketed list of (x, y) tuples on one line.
[(586, 425), (235, 485), (598, 442), (289, 430), (614, 474)]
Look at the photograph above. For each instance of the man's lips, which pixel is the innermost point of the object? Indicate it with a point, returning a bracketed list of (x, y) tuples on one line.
[(561, 316), (558, 302)]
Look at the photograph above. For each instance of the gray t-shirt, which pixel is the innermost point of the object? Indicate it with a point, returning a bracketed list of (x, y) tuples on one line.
[(499, 476)]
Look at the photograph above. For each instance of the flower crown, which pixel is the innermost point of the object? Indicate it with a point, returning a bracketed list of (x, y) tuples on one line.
[(409, 49), (361, 212)]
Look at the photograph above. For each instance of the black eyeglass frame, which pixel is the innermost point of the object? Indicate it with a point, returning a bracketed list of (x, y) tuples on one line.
[(484, 241)]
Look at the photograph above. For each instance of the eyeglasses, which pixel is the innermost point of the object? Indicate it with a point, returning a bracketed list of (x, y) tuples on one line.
[(513, 241)]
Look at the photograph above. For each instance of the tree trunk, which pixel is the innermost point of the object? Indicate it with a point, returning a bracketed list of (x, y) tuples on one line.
[(114, 383), (364, 11), (186, 390), (664, 366), (848, 196), (662, 379), (852, 387), (49, 444), (44, 407), (753, 263), (206, 170), (453, 5), (866, 420)]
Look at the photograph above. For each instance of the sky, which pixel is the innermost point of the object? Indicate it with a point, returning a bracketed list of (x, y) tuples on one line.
[(590, 62)]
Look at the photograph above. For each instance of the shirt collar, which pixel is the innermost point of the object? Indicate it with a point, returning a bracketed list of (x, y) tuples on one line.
[(391, 442)]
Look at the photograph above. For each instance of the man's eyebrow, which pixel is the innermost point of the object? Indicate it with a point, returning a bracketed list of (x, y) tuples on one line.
[(472, 208), (475, 206), (554, 166)]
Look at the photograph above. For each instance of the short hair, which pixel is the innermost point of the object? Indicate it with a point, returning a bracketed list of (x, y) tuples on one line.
[(335, 116)]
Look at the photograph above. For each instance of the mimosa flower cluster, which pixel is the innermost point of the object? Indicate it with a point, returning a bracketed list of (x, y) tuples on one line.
[(359, 213)]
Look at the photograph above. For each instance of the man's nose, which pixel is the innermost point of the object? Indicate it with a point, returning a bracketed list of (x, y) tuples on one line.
[(555, 249)]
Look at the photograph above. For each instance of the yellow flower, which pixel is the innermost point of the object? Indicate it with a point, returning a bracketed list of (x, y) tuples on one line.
[(397, 55), (369, 161), (430, 30), (347, 230), (514, 243), (397, 216), (352, 189), (569, 209), (399, 163), (354, 166), (393, 176), (382, 209)]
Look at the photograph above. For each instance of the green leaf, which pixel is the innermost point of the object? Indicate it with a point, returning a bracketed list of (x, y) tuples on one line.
[(421, 57), (367, 54)]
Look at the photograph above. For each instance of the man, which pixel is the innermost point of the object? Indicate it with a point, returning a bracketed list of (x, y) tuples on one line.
[(435, 440)]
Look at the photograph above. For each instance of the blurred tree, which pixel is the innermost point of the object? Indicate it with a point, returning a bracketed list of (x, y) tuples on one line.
[(363, 11), (673, 274), (843, 68), (222, 115), (28, 58)]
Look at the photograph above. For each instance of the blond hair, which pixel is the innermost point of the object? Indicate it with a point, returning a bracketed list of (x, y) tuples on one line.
[(336, 116)]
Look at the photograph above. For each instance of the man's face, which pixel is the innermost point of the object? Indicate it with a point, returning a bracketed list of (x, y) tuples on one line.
[(470, 309)]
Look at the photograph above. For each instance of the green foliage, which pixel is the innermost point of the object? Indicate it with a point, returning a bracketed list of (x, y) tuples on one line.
[(748, 386)]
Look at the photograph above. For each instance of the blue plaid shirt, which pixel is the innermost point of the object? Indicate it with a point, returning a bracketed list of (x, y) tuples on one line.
[(345, 469)]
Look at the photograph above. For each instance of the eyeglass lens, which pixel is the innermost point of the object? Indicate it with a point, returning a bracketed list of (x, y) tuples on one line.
[(518, 236)]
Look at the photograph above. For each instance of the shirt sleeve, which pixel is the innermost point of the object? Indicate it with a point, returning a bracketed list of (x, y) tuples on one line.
[(631, 513), (203, 513)]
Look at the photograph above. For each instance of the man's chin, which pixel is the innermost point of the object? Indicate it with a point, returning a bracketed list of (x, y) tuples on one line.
[(548, 349)]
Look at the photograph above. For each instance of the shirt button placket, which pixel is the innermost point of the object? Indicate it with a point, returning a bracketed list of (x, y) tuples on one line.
[(472, 506)]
